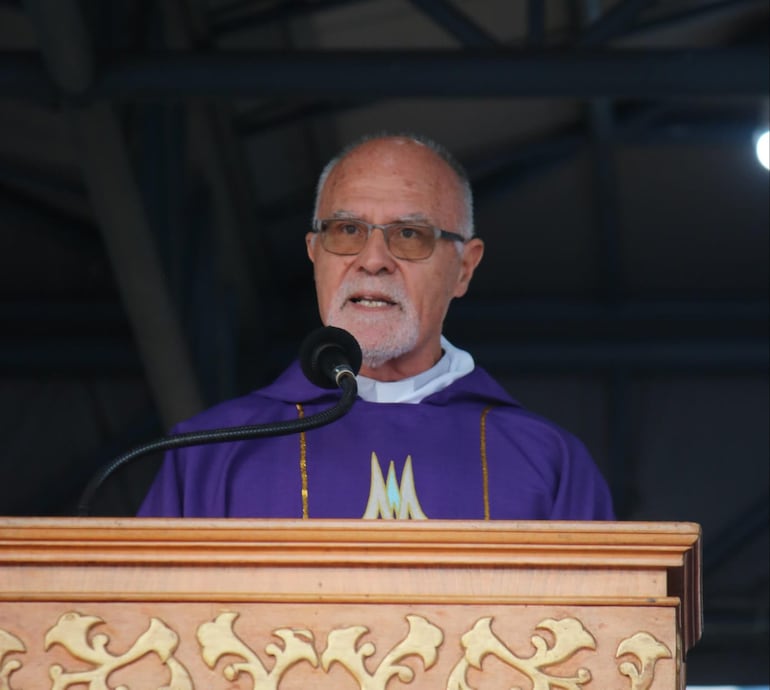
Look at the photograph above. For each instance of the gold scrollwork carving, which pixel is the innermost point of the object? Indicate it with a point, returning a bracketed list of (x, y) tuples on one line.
[(8, 645), (648, 652), (72, 632), (218, 639), (423, 640), (569, 637)]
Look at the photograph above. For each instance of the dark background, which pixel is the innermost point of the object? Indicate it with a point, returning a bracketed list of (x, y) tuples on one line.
[(157, 170)]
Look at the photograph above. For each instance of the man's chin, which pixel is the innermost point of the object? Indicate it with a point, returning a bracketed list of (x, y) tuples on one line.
[(379, 347), (380, 339), (368, 333)]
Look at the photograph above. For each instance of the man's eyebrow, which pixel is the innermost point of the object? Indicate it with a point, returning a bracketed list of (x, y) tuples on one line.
[(408, 218), (414, 218)]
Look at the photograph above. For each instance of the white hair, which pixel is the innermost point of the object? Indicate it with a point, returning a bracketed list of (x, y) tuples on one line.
[(466, 227)]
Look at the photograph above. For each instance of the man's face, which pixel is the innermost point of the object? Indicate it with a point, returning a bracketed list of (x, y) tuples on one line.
[(395, 308)]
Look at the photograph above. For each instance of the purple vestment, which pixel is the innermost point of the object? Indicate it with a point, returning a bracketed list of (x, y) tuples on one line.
[(469, 451)]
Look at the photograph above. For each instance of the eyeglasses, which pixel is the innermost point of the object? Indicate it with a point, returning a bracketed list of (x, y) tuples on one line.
[(348, 236)]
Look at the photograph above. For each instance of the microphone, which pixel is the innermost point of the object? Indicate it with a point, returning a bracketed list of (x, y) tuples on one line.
[(328, 354), (330, 357)]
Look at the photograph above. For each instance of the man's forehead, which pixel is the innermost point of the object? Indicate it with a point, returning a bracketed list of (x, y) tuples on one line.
[(388, 148), (404, 178), (385, 161)]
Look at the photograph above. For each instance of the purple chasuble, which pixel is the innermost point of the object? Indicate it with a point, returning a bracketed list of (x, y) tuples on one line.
[(469, 452)]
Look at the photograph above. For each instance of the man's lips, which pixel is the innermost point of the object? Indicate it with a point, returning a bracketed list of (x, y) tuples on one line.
[(372, 301)]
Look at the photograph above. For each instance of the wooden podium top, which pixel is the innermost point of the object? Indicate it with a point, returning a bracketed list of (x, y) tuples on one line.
[(579, 562), (161, 540), (604, 563)]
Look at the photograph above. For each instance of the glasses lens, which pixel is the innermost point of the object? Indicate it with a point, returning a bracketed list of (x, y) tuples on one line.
[(405, 241), (343, 236), (411, 241)]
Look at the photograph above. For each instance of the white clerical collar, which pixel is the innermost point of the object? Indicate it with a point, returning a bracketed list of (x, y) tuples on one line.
[(453, 364)]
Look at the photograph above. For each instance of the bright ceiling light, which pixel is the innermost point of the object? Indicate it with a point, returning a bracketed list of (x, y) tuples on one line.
[(763, 149), (761, 135)]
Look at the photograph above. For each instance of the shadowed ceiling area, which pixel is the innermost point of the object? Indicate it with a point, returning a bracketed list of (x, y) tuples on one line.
[(157, 170)]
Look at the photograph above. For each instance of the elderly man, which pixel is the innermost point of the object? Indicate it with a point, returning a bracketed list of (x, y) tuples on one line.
[(432, 435)]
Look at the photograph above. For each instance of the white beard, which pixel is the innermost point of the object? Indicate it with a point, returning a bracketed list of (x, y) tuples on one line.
[(382, 337)]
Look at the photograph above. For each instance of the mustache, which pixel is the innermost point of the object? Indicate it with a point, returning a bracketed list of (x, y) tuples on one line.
[(372, 287)]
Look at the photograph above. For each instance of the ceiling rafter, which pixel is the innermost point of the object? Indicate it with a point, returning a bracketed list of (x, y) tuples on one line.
[(240, 15), (456, 23), (639, 74), (616, 21)]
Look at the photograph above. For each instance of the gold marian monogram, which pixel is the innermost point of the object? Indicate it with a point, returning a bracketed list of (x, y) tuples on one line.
[(218, 639), (391, 500)]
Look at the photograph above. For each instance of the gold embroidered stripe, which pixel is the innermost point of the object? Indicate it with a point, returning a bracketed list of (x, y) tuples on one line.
[(484, 467), (303, 463)]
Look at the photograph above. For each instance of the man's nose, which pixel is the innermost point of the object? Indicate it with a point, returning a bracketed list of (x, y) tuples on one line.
[(375, 257)]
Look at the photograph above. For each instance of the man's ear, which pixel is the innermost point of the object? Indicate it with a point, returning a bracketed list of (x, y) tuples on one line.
[(473, 251), (310, 239)]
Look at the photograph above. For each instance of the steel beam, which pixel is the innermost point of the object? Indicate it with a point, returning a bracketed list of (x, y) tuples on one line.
[(734, 356), (615, 22), (583, 73), (695, 13), (70, 357), (456, 23), (600, 118), (637, 74), (536, 22), (511, 337), (242, 16)]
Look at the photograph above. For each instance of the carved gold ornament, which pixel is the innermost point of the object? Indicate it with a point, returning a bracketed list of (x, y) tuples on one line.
[(569, 637), (648, 651), (8, 645), (72, 633), (636, 656), (423, 640), (218, 639)]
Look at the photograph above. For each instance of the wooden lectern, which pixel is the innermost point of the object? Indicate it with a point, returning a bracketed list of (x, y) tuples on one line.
[(94, 603)]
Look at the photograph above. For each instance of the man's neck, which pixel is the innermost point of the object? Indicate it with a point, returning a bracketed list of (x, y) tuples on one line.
[(453, 364), (404, 367)]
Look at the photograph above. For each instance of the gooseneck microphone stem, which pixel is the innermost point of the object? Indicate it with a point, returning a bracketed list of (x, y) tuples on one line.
[(345, 380)]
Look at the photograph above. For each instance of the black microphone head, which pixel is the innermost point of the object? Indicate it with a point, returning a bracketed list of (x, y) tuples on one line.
[(324, 351)]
